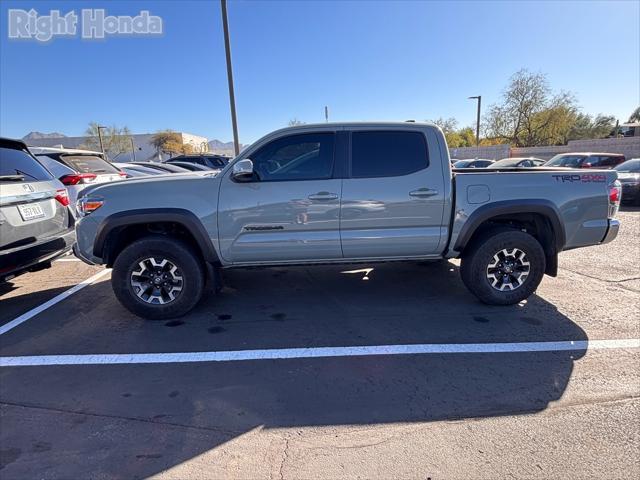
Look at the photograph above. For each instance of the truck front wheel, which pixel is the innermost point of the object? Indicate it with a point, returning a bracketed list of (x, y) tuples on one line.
[(503, 266), (158, 277)]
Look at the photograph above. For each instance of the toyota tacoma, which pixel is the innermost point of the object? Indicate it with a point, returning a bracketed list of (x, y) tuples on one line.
[(341, 193)]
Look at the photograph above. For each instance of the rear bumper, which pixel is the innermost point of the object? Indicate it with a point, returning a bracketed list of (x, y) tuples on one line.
[(630, 192), (612, 231), (30, 257)]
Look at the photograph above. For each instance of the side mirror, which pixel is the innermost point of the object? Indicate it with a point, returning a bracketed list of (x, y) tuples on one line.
[(242, 171), (586, 165)]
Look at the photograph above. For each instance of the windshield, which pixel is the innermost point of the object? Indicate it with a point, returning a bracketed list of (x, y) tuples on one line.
[(632, 165), (566, 161), (461, 163), (506, 162)]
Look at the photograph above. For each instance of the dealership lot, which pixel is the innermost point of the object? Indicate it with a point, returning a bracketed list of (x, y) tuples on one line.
[(486, 415)]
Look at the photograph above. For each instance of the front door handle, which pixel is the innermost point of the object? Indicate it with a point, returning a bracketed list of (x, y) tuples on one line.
[(423, 193), (323, 196)]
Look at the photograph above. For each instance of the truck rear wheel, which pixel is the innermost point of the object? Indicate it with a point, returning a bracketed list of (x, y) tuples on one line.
[(503, 266), (158, 277)]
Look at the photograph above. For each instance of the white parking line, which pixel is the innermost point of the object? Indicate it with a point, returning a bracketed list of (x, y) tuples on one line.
[(318, 352), (64, 259), (58, 298)]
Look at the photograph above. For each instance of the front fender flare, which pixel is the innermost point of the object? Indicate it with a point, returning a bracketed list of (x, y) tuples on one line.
[(150, 215)]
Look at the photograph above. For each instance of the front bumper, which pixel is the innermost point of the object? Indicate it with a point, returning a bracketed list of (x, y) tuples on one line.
[(30, 257), (78, 253), (612, 231)]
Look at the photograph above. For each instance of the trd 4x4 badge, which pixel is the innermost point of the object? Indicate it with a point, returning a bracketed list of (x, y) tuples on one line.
[(583, 178)]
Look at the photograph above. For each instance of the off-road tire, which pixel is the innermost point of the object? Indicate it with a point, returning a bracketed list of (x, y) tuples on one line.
[(480, 254), (191, 272)]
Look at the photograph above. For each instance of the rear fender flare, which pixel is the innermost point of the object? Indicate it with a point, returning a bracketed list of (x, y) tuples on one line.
[(486, 212)]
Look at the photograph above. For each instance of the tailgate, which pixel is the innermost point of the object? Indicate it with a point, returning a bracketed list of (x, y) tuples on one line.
[(29, 213)]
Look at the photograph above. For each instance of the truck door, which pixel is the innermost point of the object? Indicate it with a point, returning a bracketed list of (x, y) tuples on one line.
[(393, 198), (290, 211)]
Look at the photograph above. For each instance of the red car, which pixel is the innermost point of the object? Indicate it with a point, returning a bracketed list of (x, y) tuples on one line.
[(586, 160)]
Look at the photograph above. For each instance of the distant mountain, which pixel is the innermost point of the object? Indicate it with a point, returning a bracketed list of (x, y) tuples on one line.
[(216, 145), (39, 135)]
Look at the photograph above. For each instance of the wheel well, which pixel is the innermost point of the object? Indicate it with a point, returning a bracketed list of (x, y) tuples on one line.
[(536, 224), (120, 237)]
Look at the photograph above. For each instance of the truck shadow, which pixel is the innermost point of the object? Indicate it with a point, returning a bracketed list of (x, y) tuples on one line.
[(149, 418)]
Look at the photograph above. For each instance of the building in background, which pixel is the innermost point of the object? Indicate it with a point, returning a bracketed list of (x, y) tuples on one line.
[(144, 149)]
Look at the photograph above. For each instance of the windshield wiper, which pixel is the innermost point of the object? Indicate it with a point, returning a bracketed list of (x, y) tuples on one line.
[(12, 178)]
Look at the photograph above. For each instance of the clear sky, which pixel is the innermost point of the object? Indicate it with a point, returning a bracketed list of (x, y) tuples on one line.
[(382, 60)]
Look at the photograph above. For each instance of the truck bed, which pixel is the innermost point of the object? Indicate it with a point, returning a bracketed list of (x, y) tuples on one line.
[(578, 198)]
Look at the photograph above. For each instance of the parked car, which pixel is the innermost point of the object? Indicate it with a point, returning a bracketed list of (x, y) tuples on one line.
[(629, 177), (35, 223), (133, 170), (473, 163), (194, 167), (341, 193), (161, 167), (631, 129), (517, 162), (77, 168), (586, 160), (210, 160)]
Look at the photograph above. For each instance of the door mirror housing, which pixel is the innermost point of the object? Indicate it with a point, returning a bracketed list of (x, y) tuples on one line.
[(242, 170)]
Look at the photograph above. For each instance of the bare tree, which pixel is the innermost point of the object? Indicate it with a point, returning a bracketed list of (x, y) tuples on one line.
[(116, 140), (294, 122), (529, 113)]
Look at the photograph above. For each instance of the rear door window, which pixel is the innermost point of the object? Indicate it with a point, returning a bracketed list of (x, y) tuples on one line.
[(215, 162), (15, 162), (89, 164), (607, 161), (572, 161), (387, 154), (594, 161)]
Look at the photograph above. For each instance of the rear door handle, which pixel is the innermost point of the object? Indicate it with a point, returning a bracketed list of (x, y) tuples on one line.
[(322, 196), (423, 193)]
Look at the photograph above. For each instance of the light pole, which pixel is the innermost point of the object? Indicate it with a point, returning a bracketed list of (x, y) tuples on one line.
[(232, 99), (479, 98), (326, 114), (100, 138), (133, 149)]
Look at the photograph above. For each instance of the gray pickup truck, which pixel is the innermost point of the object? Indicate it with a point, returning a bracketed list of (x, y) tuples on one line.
[(341, 193)]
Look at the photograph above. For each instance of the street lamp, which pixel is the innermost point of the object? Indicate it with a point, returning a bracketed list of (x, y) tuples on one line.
[(100, 137), (479, 98), (232, 99), (133, 149)]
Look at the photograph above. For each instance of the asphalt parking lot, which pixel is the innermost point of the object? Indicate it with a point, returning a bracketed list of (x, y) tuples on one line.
[(450, 413)]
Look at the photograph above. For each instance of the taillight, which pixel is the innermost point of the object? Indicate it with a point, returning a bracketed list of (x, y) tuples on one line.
[(123, 175), (62, 197), (88, 204), (77, 178), (615, 195)]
